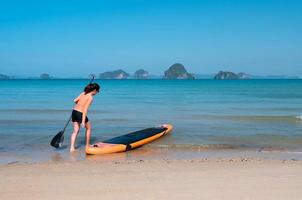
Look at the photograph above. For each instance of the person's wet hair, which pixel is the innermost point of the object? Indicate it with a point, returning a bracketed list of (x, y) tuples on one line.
[(92, 86)]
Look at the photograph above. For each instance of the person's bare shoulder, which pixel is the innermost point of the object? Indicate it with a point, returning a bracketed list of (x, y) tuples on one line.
[(78, 98)]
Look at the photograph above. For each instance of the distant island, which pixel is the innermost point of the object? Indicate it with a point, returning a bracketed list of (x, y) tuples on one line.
[(141, 74), (231, 75), (117, 74), (226, 75), (44, 76), (4, 77), (177, 71), (121, 74)]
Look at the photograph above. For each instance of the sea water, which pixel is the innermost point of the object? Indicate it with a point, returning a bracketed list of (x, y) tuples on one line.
[(207, 115)]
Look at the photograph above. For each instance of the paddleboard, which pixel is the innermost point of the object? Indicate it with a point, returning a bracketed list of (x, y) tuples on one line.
[(129, 141)]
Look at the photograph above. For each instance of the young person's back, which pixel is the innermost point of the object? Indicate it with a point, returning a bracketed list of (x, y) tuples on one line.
[(82, 101), (79, 113)]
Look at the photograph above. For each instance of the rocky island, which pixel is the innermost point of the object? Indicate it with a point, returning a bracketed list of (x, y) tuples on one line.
[(141, 74), (244, 76), (4, 77), (231, 75), (117, 74), (177, 71), (45, 76)]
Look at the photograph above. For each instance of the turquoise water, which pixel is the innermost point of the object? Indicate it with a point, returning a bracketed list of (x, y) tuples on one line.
[(206, 114)]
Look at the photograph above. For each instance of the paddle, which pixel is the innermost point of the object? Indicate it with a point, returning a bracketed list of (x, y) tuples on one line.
[(57, 140)]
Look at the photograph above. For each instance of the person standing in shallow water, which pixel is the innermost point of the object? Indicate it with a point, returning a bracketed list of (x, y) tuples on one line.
[(79, 113)]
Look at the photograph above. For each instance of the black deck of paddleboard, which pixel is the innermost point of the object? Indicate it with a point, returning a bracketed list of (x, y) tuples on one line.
[(135, 136)]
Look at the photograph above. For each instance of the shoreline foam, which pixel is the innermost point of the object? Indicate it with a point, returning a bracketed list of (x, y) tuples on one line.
[(147, 153)]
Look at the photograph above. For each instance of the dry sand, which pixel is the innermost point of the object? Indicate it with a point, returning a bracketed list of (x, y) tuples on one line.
[(154, 179)]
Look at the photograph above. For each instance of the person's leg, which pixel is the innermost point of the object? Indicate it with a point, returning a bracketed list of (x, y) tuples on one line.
[(76, 128), (88, 132)]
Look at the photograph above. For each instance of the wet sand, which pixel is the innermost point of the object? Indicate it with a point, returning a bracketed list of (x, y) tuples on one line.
[(225, 178)]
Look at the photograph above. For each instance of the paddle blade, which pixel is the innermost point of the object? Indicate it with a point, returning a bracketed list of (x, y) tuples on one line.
[(57, 140)]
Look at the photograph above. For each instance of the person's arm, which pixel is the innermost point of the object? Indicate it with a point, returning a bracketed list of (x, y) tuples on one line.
[(77, 99), (85, 110)]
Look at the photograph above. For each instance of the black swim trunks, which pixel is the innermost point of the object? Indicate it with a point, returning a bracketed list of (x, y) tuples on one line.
[(76, 116)]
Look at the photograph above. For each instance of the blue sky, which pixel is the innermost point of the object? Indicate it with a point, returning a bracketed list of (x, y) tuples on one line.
[(75, 38)]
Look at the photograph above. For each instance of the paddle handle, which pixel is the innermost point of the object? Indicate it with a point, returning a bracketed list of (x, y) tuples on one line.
[(93, 77), (67, 123)]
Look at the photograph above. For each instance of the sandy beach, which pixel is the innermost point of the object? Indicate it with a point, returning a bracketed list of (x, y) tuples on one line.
[(232, 178)]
